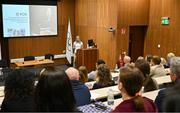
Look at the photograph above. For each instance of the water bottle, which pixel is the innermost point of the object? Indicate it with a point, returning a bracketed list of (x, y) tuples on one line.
[(110, 98), (142, 90)]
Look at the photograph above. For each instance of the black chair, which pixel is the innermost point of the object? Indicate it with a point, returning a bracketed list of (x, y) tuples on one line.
[(29, 58), (5, 70), (3, 63), (49, 56)]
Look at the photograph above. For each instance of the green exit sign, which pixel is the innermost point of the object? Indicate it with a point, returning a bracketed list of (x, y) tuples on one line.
[(165, 20)]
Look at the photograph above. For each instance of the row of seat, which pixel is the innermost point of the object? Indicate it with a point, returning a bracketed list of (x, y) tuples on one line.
[(4, 63), (99, 94), (47, 56)]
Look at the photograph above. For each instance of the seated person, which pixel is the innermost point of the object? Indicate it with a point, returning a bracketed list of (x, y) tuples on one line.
[(19, 89), (148, 58), (92, 74), (127, 60), (164, 63), (54, 92), (140, 58), (157, 70), (166, 92), (81, 91), (130, 84), (120, 62), (83, 74), (172, 100), (169, 57), (149, 83), (103, 78)]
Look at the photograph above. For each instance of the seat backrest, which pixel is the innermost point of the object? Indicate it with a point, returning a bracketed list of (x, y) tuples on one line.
[(29, 58), (49, 56), (3, 63)]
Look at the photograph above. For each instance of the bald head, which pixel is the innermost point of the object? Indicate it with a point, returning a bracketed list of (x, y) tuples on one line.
[(73, 73), (127, 59)]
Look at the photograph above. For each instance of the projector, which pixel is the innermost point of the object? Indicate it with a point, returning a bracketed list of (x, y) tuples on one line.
[(111, 29)]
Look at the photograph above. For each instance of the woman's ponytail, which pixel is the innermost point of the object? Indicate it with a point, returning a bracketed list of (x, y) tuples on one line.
[(139, 103)]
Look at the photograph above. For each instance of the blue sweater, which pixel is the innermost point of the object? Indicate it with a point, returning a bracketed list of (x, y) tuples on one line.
[(81, 93)]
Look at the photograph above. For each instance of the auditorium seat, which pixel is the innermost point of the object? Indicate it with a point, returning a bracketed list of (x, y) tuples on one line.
[(4, 70), (29, 58), (49, 56), (3, 63)]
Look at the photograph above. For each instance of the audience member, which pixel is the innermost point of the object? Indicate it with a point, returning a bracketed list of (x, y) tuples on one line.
[(83, 74), (54, 92), (19, 90), (149, 83), (172, 100), (103, 78), (167, 92), (169, 57), (149, 58), (92, 74), (157, 70), (81, 91), (164, 63), (120, 62), (130, 84), (140, 58), (127, 60)]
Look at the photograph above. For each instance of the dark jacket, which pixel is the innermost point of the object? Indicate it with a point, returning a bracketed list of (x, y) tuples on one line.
[(128, 106), (81, 93), (162, 94), (172, 101), (25, 104), (150, 85), (97, 85)]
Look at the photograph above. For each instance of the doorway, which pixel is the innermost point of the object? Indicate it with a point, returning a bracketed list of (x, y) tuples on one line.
[(136, 41)]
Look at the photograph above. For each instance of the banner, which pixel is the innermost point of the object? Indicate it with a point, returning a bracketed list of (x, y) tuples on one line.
[(69, 49)]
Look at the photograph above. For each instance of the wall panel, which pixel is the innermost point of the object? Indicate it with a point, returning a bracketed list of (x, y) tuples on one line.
[(165, 35), (130, 13), (92, 20)]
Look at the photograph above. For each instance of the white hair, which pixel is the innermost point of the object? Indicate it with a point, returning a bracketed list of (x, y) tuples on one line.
[(175, 66)]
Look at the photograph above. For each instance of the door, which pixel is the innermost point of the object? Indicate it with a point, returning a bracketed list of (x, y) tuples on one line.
[(136, 41)]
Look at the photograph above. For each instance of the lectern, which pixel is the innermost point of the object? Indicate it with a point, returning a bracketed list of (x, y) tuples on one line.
[(87, 57)]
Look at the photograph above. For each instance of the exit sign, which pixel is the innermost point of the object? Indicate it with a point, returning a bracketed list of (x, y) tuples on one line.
[(165, 20)]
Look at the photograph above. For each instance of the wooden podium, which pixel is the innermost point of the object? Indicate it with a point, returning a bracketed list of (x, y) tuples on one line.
[(87, 57)]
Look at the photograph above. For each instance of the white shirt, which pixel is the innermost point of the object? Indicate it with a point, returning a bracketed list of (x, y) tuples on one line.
[(157, 71), (77, 45)]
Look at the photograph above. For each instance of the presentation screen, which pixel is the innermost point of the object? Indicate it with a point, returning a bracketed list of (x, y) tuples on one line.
[(29, 20)]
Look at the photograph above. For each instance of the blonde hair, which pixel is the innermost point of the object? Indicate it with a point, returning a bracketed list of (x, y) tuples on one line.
[(83, 74)]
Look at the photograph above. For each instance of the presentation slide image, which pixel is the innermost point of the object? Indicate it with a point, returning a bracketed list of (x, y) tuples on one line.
[(16, 20), (43, 20)]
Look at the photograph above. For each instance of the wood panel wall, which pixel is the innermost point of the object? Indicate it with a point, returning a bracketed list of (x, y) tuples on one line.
[(39, 46), (130, 13), (167, 36), (92, 20)]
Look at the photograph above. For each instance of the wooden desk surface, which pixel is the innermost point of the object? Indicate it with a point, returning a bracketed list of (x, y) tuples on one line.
[(34, 62), (98, 94), (163, 79)]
